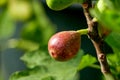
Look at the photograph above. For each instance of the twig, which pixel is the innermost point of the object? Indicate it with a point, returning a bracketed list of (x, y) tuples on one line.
[(97, 41)]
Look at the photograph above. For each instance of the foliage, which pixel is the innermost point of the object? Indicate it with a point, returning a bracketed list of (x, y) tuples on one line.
[(87, 60), (34, 36), (41, 67)]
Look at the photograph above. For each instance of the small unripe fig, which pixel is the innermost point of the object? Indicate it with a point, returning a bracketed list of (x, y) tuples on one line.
[(61, 4), (64, 45)]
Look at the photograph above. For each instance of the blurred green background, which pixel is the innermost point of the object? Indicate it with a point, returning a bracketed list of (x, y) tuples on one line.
[(17, 19)]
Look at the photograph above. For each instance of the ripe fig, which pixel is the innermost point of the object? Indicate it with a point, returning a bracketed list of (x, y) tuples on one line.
[(61, 4), (64, 45)]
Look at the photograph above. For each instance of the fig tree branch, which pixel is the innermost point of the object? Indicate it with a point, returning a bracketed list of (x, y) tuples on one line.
[(97, 41)]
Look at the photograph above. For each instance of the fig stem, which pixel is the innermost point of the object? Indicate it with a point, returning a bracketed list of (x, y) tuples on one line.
[(83, 31)]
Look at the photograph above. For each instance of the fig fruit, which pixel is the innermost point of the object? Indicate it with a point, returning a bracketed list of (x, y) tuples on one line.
[(61, 4), (64, 45)]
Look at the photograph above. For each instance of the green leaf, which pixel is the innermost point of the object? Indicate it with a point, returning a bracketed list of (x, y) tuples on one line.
[(113, 41), (87, 60), (37, 73), (42, 58), (113, 59), (43, 67), (114, 62), (36, 58)]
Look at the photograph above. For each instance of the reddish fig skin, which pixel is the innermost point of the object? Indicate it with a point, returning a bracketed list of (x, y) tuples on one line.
[(64, 45)]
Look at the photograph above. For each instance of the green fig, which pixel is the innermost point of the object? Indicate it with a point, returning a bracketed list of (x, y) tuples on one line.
[(64, 45), (61, 4)]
